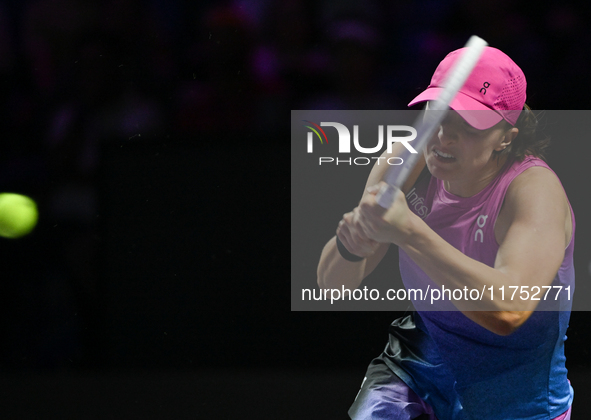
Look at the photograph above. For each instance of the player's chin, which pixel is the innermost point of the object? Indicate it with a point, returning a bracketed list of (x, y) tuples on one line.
[(437, 166)]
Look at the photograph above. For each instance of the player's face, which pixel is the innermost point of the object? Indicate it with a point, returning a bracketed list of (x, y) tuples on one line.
[(462, 155)]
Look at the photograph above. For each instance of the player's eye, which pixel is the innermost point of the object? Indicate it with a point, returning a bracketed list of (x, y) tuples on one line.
[(469, 129)]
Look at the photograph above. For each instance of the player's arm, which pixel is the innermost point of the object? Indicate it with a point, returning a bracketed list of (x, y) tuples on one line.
[(536, 217), (334, 271)]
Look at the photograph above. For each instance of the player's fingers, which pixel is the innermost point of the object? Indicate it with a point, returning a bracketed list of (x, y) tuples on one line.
[(355, 243), (360, 226), (364, 239), (370, 208), (344, 235), (373, 189), (368, 220), (348, 218), (351, 219), (366, 227)]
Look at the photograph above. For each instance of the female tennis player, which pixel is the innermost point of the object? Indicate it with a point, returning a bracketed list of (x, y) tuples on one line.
[(493, 217)]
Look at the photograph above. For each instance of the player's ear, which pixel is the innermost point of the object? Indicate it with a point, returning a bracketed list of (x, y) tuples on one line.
[(508, 138)]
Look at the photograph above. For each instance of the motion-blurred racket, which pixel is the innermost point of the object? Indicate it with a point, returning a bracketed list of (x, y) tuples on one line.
[(431, 119)]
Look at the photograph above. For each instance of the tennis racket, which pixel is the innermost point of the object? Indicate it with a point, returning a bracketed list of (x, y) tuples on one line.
[(431, 119)]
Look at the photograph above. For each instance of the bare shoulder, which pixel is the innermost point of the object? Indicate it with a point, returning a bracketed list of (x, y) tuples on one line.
[(536, 177), (535, 198)]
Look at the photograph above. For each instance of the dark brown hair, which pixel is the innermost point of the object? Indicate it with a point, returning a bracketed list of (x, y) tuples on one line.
[(529, 141)]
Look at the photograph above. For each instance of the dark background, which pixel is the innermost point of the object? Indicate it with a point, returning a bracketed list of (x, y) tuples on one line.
[(153, 136)]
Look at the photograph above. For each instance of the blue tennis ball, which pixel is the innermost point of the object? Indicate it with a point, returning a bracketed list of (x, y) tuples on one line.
[(18, 215)]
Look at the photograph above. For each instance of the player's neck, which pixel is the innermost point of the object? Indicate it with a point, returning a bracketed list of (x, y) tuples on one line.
[(472, 185)]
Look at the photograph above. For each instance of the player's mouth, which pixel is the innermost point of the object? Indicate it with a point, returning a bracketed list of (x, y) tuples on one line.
[(442, 156)]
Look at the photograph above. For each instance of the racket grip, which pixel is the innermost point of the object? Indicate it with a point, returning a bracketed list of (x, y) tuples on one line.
[(386, 194)]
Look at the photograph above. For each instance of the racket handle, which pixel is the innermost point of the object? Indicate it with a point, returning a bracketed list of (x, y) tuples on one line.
[(386, 194)]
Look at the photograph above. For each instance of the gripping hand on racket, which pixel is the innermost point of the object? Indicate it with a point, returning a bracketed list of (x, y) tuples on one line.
[(391, 225), (336, 271), (353, 237)]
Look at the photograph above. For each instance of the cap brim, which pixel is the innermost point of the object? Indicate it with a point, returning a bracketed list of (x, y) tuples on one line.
[(475, 113)]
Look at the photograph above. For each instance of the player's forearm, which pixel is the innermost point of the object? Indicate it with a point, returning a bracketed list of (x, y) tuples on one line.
[(449, 267), (335, 272)]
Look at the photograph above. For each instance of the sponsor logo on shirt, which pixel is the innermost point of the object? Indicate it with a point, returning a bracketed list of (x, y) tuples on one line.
[(479, 235), (417, 203)]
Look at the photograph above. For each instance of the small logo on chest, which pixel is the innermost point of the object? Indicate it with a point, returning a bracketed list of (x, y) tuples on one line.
[(413, 200), (480, 222)]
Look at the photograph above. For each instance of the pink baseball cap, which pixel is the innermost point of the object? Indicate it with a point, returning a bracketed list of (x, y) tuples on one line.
[(495, 88)]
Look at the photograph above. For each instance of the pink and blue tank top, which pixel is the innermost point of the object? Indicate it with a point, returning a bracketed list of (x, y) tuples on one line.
[(463, 370)]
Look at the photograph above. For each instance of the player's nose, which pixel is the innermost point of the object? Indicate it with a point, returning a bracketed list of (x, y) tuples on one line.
[(448, 132)]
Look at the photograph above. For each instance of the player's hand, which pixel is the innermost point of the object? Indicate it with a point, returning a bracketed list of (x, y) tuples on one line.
[(352, 236), (390, 225)]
